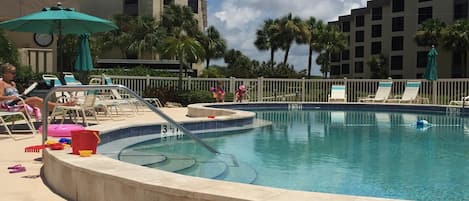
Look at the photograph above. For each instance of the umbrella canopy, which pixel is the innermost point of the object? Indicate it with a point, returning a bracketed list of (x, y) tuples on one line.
[(83, 61), (58, 20), (431, 72)]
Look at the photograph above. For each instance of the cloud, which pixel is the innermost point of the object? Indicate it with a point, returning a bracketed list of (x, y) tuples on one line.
[(238, 20)]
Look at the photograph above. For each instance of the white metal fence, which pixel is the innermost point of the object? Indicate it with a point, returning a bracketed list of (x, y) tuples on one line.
[(439, 92)]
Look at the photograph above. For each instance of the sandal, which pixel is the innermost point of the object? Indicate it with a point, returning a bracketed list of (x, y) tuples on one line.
[(17, 170), (15, 166)]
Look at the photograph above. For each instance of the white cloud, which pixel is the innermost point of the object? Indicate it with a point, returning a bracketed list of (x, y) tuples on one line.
[(238, 20), (234, 16)]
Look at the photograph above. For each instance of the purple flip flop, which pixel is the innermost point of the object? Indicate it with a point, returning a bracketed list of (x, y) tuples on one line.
[(17, 170), (15, 166)]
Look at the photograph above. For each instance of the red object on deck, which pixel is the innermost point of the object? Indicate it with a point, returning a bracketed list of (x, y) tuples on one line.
[(85, 140)]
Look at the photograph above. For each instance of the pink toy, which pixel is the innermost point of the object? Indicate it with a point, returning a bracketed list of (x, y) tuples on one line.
[(61, 130)]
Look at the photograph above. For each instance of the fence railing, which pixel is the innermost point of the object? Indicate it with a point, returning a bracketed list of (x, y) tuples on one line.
[(439, 92)]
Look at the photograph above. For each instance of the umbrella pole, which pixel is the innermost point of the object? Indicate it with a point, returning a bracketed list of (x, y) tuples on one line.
[(61, 59)]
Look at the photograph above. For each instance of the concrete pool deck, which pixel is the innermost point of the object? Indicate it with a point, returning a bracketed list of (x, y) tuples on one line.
[(18, 187)]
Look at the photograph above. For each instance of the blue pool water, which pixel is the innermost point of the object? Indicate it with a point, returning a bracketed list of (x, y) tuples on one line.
[(382, 154)]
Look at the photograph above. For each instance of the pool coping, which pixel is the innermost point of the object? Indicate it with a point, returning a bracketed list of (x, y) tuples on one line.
[(102, 178)]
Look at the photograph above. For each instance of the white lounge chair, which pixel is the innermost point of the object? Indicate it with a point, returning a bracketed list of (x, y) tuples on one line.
[(383, 92), (410, 94), (338, 94), (80, 110), (463, 101), (70, 79)]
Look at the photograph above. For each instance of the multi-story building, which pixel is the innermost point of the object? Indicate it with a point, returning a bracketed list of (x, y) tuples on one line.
[(387, 28), (43, 59)]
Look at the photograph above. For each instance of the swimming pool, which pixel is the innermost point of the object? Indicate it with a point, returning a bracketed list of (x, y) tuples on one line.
[(380, 154)]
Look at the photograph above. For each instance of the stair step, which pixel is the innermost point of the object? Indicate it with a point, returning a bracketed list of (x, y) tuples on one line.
[(173, 163), (141, 158), (241, 173), (207, 169)]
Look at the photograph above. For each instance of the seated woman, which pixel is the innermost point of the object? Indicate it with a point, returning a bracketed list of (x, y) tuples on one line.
[(9, 95)]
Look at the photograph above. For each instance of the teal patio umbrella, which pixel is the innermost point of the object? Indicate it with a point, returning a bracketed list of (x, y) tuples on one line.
[(431, 71), (58, 20), (83, 61)]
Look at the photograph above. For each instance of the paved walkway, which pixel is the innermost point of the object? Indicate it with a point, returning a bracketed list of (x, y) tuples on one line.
[(28, 185)]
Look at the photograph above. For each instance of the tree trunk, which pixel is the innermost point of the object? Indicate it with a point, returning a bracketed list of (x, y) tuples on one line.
[(207, 62), (286, 55), (272, 54), (180, 76), (310, 57)]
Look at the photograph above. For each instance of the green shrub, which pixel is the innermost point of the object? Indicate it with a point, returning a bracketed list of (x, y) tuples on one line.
[(197, 96), (165, 94)]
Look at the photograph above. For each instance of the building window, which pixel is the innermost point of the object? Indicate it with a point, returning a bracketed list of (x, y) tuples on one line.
[(359, 52), (194, 5), (345, 55), (397, 43), (131, 7), (359, 67), (345, 68), (419, 76), (376, 48), (335, 70), (335, 57), (376, 30), (396, 76), (345, 26), (359, 36), (397, 6), (460, 10), (396, 62), (422, 59), (425, 14), (359, 21), (168, 2), (377, 13), (397, 24)]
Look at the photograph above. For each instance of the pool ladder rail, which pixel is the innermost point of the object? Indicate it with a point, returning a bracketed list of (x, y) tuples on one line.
[(68, 88)]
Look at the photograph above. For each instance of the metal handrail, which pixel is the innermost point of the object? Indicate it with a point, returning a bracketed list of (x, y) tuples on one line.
[(68, 88)]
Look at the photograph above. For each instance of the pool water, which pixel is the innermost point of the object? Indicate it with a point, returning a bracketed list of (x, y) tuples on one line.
[(380, 154)]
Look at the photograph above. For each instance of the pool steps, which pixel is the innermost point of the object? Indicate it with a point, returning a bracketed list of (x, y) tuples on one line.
[(189, 165)]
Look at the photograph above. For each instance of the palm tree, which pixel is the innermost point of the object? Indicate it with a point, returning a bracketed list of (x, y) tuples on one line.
[(213, 44), (291, 29), (314, 26), (330, 40), (184, 48), (145, 35), (267, 38), (430, 33), (177, 17), (456, 38), (120, 38)]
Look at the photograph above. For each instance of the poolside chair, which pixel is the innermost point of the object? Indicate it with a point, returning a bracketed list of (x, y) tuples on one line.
[(383, 92), (464, 101), (338, 94), (87, 107), (410, 93), (5, 115), (70, 79)]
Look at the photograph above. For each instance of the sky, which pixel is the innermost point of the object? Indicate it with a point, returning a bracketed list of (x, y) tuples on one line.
[(238, 20)]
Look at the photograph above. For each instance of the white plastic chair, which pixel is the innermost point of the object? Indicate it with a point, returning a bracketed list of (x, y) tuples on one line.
[(410, 94), (382, 94), (80, 110), (338, 94)]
